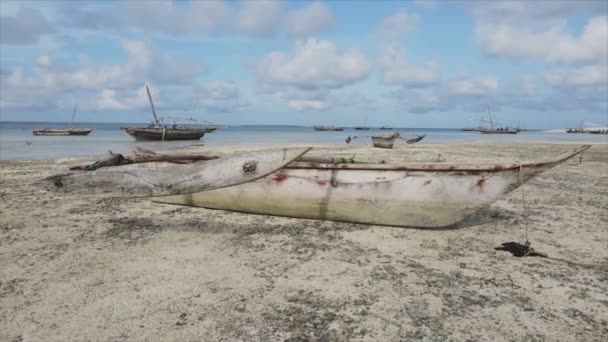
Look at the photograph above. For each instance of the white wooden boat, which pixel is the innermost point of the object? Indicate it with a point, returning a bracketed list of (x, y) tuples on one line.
[(429, 195)]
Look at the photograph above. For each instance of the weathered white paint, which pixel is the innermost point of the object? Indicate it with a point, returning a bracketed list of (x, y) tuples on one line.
[(416, 195), (161, 179)]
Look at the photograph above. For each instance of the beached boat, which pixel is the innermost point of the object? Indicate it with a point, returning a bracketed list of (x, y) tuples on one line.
[(429, 195), (158, 131), (64, 131), (386, 141), (147, 174), (327, 128)]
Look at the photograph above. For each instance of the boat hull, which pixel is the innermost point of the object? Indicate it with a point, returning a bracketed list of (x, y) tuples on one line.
[(383, 142), (62, 131), (328, 128), (426, 195), (497, 132), (162, 134)]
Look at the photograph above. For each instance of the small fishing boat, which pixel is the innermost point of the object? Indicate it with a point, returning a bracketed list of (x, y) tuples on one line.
[(362, 128), (64, 131), (431, 195), (386, 128), (498, 131), (327, 128), (386, 141), (157, 131), (495, 127)]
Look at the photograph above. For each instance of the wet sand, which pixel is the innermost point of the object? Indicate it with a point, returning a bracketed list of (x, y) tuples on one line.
[(76, 269)]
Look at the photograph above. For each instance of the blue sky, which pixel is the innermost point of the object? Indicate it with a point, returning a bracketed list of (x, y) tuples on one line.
[(403, 63)]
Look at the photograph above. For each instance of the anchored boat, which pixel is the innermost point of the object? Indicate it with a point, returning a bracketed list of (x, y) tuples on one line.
[(64, 131), (157, 131), (327, 128)]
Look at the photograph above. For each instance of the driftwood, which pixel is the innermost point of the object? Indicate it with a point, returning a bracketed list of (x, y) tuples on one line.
[(153, 179), (140, 155)]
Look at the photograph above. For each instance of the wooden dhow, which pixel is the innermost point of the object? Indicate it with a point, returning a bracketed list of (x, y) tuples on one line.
[(327, 128), (157, 131), (430, 195), (64, 131)]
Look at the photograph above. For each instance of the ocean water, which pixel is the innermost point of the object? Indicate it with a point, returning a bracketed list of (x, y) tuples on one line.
[(17, 141)]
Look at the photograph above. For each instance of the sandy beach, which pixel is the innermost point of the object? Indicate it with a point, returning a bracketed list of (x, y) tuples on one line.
[(86, 269)]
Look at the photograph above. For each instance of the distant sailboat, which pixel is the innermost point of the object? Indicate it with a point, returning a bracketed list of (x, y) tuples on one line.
[(327, 128), (362, 128), (157, 131), (64, 131), (497, 129)]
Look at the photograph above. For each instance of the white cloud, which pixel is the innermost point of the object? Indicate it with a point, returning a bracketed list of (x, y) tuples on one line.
[(192, 18), (426, 4), (589, 75), (304, 105), (50, 84), (314, 64), (472, 87), (395, 70), (26, 27), (397, 25), (420, 102), (110, 99), (309, 20), (221, 96), (260, 18), (305, 78), (552, 44)]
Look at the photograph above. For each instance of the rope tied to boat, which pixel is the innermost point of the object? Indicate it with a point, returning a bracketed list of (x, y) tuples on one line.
[(580, 160), (516, 248), (523, 200)]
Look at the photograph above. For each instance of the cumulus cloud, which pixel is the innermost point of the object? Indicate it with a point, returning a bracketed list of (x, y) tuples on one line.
[(303, 105), (396, 71), (50, 83), (303, 79), (553, 44), (472, 86), (397, 25), (314, 64), (193, 18), (309, 20), (26, 27), (260, 18), (589, 75), (221, 96)]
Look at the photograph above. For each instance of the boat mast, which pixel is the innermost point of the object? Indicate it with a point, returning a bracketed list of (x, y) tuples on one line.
[(152, 105), (73, 114)]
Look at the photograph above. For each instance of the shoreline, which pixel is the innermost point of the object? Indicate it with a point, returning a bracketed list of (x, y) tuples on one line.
[(354, 145), (76, 268)]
